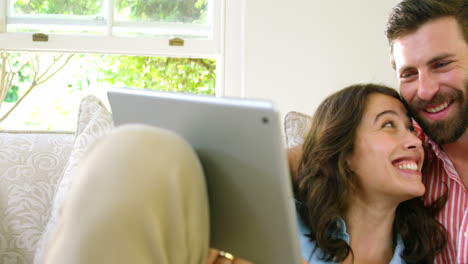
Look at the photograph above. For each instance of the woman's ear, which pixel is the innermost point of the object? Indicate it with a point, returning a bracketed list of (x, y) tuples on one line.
[(350, 162)]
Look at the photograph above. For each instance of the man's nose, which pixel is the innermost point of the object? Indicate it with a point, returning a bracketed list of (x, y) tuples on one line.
[(428, 87)]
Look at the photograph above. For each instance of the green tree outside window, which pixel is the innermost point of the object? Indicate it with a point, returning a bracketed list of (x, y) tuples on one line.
[(21, 70)]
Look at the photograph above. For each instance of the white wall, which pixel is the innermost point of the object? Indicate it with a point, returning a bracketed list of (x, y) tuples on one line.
[(296, 52)]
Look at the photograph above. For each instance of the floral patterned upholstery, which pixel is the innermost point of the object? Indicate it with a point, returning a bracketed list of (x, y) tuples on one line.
[(296, 126), (31, 164), (36, 170)]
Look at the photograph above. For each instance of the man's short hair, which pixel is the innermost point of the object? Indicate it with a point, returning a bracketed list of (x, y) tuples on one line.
[(409, 15)]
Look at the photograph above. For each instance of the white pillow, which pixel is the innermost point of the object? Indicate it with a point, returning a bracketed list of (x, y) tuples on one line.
[(296, 126), (94, 122)]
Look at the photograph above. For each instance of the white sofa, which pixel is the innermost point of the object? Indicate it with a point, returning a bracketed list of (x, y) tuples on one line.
[(31, 165), (36, 169)]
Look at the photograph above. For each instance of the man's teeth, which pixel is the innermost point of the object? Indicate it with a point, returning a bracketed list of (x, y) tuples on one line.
[(408, 166), (438, 108)]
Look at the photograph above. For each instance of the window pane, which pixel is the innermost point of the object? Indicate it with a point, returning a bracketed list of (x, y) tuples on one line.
[(168, 18), (66, 78), (164, 18), (57, 16), (165, 11), (56, 7)]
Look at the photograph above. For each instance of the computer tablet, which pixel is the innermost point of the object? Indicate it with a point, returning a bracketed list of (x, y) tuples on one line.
[(242, 151)]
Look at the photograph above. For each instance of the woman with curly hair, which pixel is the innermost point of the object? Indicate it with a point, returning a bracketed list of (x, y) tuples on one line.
[(359, 183)]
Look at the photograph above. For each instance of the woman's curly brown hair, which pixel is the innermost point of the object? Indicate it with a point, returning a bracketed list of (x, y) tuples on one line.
[(324, 183)]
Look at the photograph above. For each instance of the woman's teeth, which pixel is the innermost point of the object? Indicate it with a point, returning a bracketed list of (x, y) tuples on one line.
[(408, 166)]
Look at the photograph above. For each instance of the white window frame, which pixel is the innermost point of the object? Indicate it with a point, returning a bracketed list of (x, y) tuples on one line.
[(212, 47), (232, 63), (108, 44)]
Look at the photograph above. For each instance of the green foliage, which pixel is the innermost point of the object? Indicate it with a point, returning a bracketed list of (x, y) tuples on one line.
[(18, 65), (12, 95), (87, 71), (23, 78), (65, 7), (160, 73), (177, 11), (174, 74)]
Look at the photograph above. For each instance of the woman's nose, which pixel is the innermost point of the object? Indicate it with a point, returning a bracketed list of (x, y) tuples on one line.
[(412, 141)]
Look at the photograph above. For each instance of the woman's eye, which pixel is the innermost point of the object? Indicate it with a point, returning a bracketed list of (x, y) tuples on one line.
[(388, 124), (411, 129)]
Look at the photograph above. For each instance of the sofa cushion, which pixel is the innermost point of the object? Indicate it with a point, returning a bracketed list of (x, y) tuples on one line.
[(296, 126), (94, 121), (31, 164)]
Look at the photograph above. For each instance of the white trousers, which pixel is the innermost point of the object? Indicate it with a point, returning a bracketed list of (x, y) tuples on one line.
[(139, 197)]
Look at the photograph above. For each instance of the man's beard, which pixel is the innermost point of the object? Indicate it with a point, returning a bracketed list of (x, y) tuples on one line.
[(447, 130)]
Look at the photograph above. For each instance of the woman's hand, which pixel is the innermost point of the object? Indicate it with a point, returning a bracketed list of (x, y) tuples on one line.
[(214, 257)]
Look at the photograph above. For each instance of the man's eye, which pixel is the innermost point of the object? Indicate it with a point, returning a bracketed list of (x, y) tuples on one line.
[(406, 75), (441, 64)]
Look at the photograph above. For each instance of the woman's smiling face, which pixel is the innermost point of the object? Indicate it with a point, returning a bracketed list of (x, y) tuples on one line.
[(387, 156)]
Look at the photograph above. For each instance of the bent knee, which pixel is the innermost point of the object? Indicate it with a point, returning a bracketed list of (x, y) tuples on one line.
[(148, 151), (144, 139)]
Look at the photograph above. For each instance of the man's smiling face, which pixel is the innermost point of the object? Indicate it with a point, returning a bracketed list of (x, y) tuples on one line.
[(432, 68)]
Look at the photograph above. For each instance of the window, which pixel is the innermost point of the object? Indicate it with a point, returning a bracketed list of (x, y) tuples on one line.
[(85, 46), (114, 26)]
